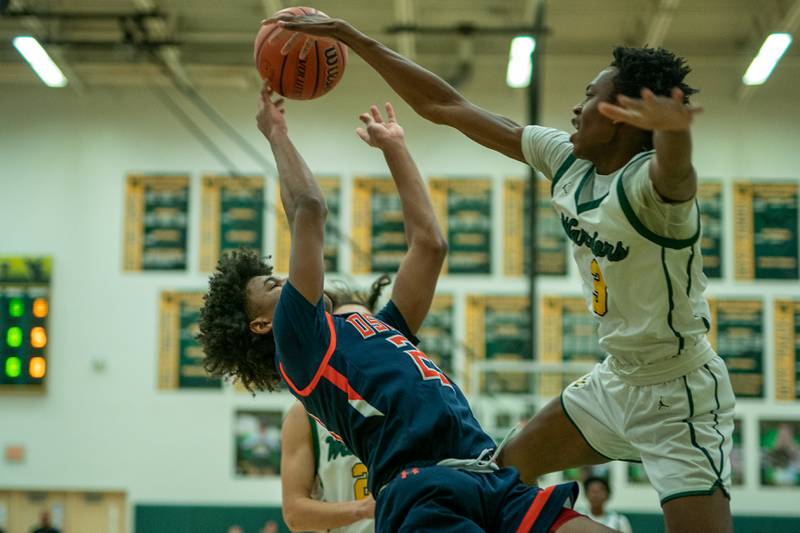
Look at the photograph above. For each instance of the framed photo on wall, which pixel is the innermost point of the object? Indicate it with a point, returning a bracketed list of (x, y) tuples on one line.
[(780, 452), (257, 439)]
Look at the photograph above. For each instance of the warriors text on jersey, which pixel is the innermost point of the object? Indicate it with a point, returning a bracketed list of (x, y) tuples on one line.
[(645, 288)]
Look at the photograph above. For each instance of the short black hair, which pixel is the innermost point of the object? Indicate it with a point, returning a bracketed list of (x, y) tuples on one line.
[(654, 68), (231, 349), (596, 479), (343, 294)]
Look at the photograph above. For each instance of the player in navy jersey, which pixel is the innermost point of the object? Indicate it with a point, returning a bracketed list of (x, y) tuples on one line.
[(363, 376)]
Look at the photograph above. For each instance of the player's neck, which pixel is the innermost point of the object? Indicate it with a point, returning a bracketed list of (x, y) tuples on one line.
[(613, 158)]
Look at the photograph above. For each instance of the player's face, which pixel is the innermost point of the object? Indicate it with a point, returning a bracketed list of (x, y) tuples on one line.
[(593, 131), (263, 293)]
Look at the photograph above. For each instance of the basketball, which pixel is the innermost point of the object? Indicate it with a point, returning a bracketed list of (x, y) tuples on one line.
[(289, 75)]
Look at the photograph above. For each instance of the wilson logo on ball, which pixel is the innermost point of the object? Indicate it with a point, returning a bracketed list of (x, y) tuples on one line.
[(290, 76)]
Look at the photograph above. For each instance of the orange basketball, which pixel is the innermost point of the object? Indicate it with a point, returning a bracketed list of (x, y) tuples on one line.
[(290, 76)]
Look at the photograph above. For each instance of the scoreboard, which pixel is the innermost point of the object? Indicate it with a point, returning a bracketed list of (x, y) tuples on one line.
[(24, 308)]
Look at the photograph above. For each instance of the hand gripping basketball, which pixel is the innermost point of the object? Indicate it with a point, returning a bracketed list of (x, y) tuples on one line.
[(297, 66)]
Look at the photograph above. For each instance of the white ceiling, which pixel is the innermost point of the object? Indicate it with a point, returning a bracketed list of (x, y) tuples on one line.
[(210, 41)]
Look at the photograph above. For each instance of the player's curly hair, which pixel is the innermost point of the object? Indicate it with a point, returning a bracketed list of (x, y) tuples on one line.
[(231, 349), (342, 294), (654, 68)]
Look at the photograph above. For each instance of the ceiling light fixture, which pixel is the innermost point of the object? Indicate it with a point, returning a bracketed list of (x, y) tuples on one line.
[(768, 56), (520, 61), (40, 61)]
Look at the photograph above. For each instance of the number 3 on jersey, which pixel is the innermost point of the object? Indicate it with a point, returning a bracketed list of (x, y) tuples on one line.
[(599, 292)]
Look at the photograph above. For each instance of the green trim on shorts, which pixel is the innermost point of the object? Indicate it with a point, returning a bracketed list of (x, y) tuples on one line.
[(716, 420), (717, 485), (564, 408), (693, 436)]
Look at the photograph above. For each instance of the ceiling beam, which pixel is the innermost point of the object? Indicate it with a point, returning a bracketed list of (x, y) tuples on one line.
[(660, 23), (529, 11), (404, 16), (157, 29)]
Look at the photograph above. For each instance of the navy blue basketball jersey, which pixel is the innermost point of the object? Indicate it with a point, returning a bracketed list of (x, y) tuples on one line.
[(365, 380)]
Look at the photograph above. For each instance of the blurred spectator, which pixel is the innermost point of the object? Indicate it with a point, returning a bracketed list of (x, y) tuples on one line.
[(270, 527), (597, 491), (45, 525)]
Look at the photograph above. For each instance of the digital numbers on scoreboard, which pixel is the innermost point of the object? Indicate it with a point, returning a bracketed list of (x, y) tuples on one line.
[(24, 309)]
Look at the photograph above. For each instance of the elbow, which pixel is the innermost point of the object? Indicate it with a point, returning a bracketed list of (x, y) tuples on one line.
[(292, 519), (434, 244), (311, 207)]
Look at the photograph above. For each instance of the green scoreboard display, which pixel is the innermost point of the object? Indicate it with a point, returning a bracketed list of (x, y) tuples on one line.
[(24, 308)]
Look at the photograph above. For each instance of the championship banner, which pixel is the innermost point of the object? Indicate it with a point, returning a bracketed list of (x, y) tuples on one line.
[(463, 207), (787, 350), (709, 195), (180, 356), (737, 335), (156, 222), (551, 246), (232, 216), (24, 313), (765, 227), (331, 188), (436, 334), (567, 333), (498, 329), (377, 226)]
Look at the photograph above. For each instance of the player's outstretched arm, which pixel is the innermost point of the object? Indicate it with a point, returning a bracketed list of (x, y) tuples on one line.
[(670, 119), (416, 278), (300, 511), (302, 200), (429, 95)]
